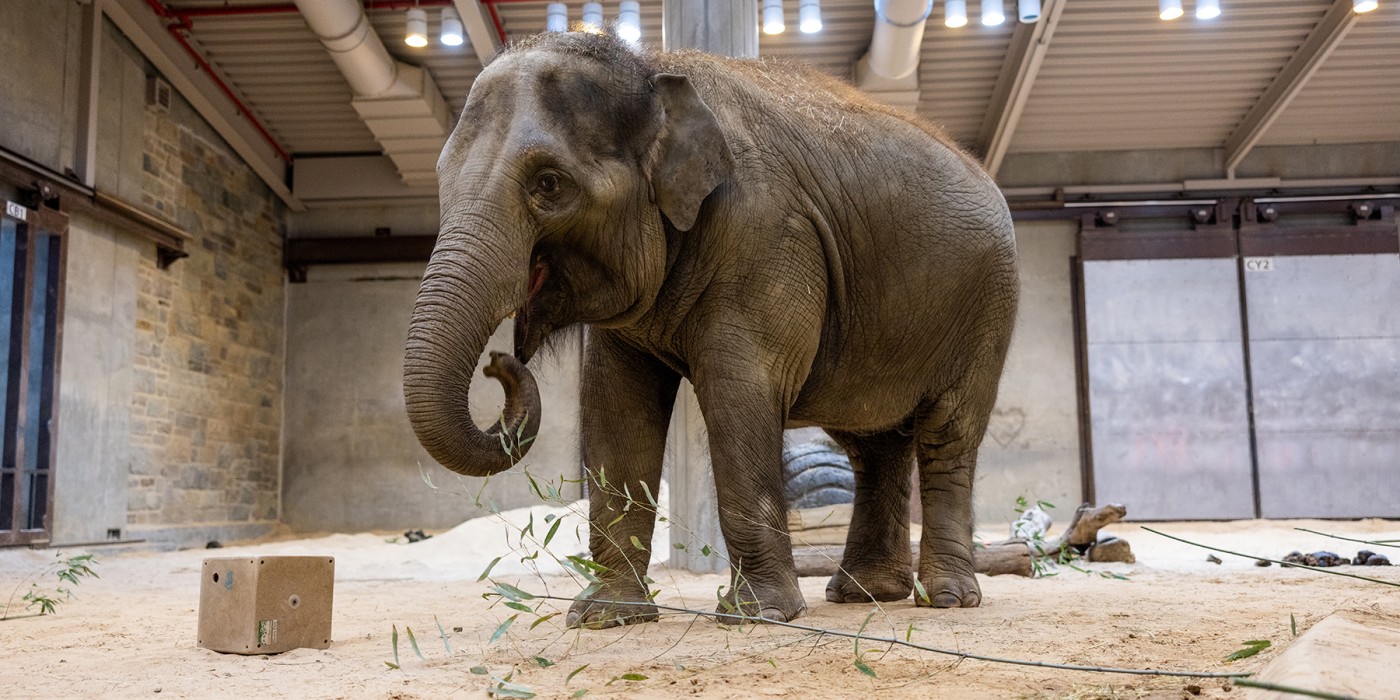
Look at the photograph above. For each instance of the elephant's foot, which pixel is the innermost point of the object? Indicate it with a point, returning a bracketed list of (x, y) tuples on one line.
[(611, 608), (863, 582), (779, 604), (949, 583)]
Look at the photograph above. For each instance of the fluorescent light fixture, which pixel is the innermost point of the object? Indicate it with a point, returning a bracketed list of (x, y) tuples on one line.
[(556, 17), (809, 16), (1207, 9), (1170, 9), (593, 17), (955, 13), (773, 17), (993, 12), (451, 34), (1360, 6), (629, 21), (416, 28), (1028, 11)]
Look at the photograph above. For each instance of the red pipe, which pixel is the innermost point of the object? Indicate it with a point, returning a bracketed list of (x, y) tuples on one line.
[(175, 30)]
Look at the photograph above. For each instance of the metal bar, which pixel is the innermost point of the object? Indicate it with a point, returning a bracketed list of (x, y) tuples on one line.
[(1290, 81), (1013, 89), (486, 34), (1248, 382), (1081, 379)]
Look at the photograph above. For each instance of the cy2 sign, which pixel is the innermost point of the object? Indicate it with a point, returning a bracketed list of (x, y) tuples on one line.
[(1259, 264)]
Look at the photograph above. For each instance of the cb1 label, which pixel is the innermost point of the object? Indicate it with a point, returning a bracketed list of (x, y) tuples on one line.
[(16, 211)]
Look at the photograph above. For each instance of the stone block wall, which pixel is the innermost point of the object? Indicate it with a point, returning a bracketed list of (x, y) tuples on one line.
[(207, 389)]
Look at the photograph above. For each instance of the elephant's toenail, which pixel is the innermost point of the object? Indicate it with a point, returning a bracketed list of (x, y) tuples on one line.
[(946, 600)]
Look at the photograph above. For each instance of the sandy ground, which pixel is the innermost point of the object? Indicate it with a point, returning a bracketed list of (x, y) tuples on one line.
[(131, 633)]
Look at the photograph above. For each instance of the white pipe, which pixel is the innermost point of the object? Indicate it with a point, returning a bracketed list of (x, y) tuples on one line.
[(345, 31), (899, 32)]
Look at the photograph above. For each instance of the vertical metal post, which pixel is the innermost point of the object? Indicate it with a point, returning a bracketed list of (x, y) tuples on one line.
[(89, 78), (729, 28)]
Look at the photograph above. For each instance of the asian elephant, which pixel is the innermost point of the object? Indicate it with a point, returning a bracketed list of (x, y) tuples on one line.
[(803, 255)]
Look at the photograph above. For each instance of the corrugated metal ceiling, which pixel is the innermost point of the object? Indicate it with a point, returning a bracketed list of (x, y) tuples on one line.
[(1115, 77)]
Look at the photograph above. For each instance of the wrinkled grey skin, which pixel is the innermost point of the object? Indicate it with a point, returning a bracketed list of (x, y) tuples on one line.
[(801, 255)]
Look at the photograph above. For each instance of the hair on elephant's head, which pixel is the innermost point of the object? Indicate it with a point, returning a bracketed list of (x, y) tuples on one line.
[(570, 156)]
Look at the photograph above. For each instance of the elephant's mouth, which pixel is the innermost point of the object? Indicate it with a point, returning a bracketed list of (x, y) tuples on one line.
[(529, 332)]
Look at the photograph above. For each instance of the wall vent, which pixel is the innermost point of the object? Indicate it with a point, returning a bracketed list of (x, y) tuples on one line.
[(158, 94)]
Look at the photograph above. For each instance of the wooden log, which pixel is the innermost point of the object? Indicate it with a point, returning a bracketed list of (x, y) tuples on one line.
[(1012, 557)]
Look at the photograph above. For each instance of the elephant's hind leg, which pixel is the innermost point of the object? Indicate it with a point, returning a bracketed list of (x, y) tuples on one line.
[(948, 433), (876, 564)]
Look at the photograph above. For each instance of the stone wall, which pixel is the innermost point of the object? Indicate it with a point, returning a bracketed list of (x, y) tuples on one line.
[(207, 400)]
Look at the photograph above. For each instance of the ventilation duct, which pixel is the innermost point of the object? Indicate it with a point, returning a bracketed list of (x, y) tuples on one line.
[(889, 71), (400, 104)]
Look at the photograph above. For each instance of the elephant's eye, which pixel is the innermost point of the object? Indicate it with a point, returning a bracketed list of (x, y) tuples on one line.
[(548, 183)]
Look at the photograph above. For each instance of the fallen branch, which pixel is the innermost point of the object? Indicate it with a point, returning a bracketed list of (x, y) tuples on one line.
[(1012, 557), (1276, 561), (1247, 683)]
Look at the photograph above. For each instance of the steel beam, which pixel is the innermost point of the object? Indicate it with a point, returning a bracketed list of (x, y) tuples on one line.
[(1018, 73), (1289, 82), (481, 30), (147, 31)]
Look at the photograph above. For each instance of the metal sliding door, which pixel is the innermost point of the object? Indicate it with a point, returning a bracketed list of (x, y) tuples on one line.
[(1324, 342), (1170, 426)]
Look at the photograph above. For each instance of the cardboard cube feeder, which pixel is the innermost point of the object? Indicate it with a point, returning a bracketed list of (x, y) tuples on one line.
[(266, 605)]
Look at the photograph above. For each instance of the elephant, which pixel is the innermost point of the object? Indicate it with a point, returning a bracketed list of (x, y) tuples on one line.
[(803, 255)]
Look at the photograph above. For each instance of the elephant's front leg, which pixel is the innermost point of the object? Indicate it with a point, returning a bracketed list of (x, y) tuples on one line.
[(744, 417), (625, 410)]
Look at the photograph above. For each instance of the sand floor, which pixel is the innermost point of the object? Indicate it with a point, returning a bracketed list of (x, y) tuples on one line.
[(131, 633)]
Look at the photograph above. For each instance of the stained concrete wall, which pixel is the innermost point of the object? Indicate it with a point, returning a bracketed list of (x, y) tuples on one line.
[(352, 461), (1032, 444)]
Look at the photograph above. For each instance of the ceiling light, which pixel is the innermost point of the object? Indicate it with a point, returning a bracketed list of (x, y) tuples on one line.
[(773, 17), (1170, 9), (451, 34), (1207, 9), (593, 17), (1028, 11), (629, 21), (993, 12), (1359, 6), (809, 16), (955, 13), (416, 28), (557, 17)]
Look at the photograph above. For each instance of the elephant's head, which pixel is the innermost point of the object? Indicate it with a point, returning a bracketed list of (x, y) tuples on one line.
[(553, 187)]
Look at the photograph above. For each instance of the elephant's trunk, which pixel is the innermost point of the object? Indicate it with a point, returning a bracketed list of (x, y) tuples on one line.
[(467, 290)]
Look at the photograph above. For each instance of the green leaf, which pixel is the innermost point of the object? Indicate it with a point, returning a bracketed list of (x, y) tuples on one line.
[(650, 498), (518, 606), (1251, 647), (446, 644), (392, 665), (579, 693), (511, 592), (614, 521), (394, 641), (479, 670), (923, 594), (573, 673), (705, 551), (502, 629), (542, 662), (541, 619), (552, 529), (530, 526), (637, 543), (909, 633), (489, 567), (413, 642), (861, 631), (1293, 624), (506, 689), (865, 669), (626, 677)]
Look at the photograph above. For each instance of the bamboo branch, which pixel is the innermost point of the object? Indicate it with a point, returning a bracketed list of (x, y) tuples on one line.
[(1349, 539)]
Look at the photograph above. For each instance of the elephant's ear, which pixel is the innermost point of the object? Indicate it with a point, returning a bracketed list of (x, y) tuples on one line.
[(691, 157)]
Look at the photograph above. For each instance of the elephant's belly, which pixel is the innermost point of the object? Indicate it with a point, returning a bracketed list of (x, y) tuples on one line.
[(856, 401)]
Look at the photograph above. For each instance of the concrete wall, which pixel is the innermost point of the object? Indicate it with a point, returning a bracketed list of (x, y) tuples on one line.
[(170, 382), (1032, 443), (352, 461)]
